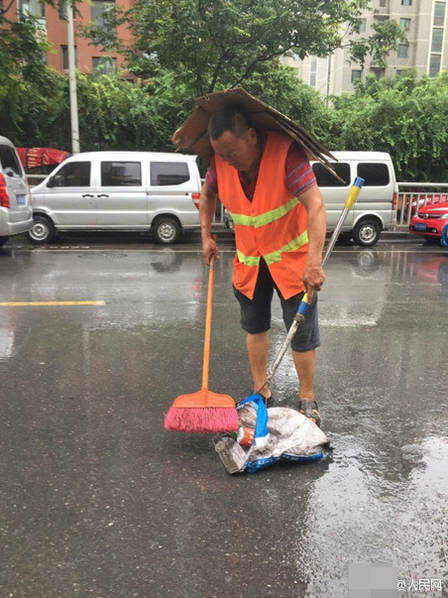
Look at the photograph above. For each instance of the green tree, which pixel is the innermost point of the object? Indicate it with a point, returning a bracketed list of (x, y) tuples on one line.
[(279, 86), (406, 116), (117, 114), (211, 44), (28, 88)]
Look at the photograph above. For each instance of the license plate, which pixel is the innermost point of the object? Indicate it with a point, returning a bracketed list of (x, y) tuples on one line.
[(20, 200), (419, 226)]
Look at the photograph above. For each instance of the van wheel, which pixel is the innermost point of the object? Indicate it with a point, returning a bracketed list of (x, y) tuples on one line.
[(166, 230), (3, 240), (367, 232), (42, 230)]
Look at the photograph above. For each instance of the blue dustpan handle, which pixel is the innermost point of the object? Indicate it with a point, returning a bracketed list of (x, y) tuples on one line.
[(349, 202)]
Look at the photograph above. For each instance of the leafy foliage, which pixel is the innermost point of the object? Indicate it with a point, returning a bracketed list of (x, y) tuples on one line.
[(279, 86), (406, 116), (29, 90), (212, 44), (117, 114)]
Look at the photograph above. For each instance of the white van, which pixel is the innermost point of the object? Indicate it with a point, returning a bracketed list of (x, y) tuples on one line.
[(15, 207), (115, 190), (374, 209)]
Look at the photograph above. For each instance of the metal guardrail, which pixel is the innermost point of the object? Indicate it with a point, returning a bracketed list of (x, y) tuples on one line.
[(39, 177), (412, 196)]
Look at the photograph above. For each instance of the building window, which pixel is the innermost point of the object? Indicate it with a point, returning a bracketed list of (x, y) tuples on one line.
[(405, 24), (380, 18), (437, 39), (32, 8), (104, 65), (356, 75), (378, 72), (406, 2), (313, 71), (64, 57), (402, 50), (434, 65), (439, 14), (361, 27), (100, 8), (383, 3)]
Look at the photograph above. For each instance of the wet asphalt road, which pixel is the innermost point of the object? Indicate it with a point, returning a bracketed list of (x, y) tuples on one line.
[(97, 499)]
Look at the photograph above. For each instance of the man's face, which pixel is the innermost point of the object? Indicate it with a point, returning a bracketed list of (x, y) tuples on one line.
[(239, 152)]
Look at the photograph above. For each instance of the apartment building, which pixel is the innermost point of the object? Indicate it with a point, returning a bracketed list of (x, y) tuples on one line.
[(88, 57), (426, 50)]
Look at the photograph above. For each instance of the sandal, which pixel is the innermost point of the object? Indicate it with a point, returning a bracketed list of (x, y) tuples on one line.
[(309, 409)]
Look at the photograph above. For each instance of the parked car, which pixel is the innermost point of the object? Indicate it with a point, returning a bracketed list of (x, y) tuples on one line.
[(127, 191), (15, 207), (374, 209), (410, 203), (431, 221)]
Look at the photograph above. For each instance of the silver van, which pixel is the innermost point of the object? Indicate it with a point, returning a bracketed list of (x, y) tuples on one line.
[(374, 209), (15, 207), (115, 190)]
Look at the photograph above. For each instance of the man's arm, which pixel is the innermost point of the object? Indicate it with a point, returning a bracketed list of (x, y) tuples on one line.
[(313, 275), (207, 207)]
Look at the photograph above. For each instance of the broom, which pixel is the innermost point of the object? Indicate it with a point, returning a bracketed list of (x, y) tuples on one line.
[(204, 411)]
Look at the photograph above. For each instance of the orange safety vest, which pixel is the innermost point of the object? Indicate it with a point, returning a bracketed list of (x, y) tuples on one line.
[(272, 225)]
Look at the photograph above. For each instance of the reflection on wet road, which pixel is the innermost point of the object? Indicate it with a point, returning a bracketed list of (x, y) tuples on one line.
[(98, 499)]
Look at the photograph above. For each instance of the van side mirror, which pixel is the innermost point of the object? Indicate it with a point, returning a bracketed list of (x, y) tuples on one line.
[(51, 182)]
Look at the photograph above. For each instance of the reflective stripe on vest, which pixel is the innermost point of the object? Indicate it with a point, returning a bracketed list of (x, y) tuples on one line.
[(274, 256), (267, 217)]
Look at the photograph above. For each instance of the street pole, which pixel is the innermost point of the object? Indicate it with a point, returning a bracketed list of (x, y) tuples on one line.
[(327, 97), (72, 79)]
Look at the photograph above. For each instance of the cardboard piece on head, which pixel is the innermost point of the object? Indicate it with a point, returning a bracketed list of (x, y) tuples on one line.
[(192, 134)]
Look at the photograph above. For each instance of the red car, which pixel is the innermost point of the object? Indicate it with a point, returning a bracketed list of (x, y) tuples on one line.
[(431, 221)]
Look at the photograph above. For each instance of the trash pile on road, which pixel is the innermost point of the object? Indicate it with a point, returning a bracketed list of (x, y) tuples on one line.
[(267, 436)]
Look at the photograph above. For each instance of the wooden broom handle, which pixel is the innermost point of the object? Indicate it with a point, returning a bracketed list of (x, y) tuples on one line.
[(208, 323)]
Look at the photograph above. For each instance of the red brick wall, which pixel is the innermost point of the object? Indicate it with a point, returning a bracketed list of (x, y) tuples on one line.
[(57, 35)]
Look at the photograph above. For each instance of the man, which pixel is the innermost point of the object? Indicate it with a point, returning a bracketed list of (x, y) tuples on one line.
[(266, 182)]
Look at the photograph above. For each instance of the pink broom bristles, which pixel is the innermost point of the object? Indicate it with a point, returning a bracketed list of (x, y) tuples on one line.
[(204, 412), (203, 420)]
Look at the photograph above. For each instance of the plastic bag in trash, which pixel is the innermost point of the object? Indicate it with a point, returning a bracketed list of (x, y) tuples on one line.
[(286, 435)]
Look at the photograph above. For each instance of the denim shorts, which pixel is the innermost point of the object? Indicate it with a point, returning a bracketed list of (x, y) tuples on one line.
[(256, 312)]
